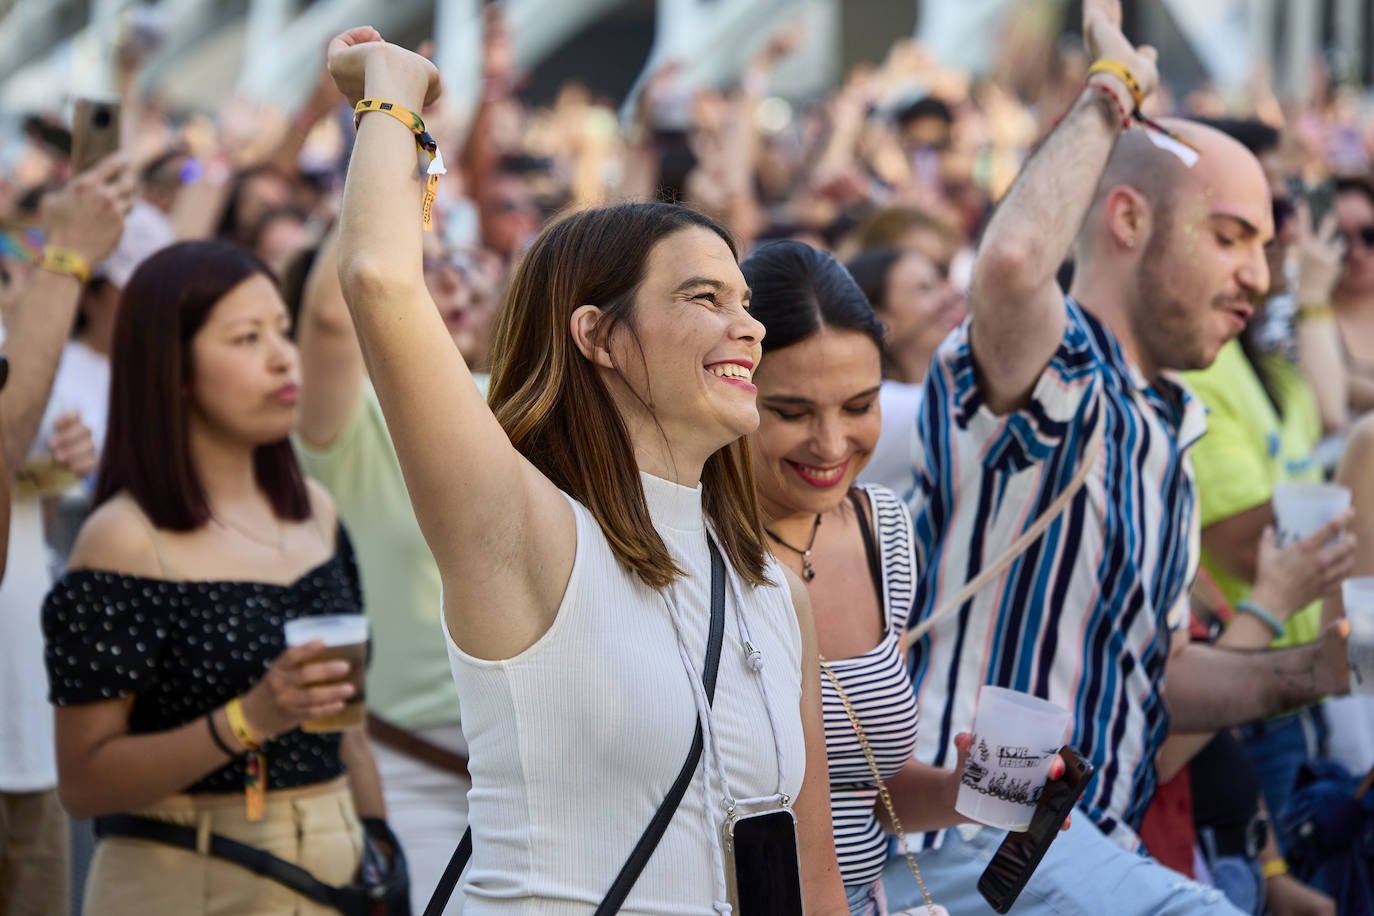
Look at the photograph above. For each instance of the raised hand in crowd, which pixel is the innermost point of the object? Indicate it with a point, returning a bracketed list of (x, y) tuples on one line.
[(71, 444), (1321, 353), (82, 223)]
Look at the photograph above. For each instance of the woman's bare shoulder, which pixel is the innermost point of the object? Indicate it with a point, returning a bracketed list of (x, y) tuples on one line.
[(117, 537)]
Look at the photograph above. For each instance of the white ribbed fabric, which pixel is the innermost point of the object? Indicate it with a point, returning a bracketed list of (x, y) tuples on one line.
[(576, 741)]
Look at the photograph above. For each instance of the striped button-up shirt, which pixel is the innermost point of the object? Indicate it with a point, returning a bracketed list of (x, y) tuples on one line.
[(1084, 617)]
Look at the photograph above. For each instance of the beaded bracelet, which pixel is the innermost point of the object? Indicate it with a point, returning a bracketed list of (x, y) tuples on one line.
[(1246, 606), (1121, 109)]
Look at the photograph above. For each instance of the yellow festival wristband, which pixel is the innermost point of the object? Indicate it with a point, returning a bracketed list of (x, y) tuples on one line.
[(1274, 867), (65, 261), (238, 724), (1119, 70), (423, 139)]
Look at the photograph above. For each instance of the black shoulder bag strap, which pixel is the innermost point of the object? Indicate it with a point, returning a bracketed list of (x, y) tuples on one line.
[(658, 825), (249, 857)]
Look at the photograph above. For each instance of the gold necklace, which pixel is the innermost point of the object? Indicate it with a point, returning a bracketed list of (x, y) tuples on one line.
[(805, 553), (279, 546)]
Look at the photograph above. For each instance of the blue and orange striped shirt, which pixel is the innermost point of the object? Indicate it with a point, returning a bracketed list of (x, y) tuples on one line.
[(1084, 617)]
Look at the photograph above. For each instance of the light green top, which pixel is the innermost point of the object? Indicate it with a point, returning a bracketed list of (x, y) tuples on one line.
[(408, 682), (1248, 449)]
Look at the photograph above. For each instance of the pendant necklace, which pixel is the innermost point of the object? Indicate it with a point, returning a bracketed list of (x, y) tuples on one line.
[(808, 573)]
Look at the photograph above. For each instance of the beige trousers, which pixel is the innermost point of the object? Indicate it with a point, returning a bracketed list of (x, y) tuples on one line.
[(315, 827), (34, 875)]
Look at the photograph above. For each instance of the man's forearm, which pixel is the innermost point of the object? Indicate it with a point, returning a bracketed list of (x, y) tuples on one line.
[(1060, 179), (36, 333), (1209, 688)]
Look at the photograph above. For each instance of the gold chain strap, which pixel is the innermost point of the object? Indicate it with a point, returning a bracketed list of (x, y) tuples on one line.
[(882, 789)]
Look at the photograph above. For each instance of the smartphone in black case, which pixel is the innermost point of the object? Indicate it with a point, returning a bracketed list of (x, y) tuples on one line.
[(1016, 859), (762, 863)]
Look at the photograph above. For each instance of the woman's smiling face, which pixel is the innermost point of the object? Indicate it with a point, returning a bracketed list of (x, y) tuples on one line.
[(818, 420)]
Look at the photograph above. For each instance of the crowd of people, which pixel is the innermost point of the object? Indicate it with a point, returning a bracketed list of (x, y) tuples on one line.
[(684, 439)]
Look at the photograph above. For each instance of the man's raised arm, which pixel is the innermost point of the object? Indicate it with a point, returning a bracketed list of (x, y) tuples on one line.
[(1018, 311)]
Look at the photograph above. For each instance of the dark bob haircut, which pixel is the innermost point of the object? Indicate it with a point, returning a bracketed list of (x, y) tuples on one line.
[(798, 290), (147, 448)]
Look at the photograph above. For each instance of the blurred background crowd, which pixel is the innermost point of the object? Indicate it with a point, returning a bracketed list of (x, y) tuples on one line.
[(883, 131)]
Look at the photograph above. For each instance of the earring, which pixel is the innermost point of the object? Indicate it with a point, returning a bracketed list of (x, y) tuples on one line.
[(1130, 243)]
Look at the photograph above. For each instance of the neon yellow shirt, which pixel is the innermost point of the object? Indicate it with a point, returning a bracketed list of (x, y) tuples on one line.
[(1248, 449)]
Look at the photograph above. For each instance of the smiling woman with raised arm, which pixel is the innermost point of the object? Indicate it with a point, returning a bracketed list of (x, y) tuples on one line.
[(575, 523)]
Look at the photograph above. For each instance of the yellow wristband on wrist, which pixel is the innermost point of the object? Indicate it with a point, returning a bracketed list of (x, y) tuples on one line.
[(1119, 70), (1274, 867), (423, 139), (238, 724), (65, 261), (1322, 312)]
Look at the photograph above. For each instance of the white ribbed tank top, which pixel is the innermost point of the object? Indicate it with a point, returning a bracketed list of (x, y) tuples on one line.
[(575, 741)]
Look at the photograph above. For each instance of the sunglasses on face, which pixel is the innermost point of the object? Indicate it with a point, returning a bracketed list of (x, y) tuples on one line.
[(1364, 235)]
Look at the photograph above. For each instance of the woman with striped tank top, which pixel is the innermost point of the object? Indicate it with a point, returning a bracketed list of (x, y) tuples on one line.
[(818, 386)]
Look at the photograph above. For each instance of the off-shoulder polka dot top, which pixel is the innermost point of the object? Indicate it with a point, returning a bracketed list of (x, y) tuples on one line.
[(182, 648)]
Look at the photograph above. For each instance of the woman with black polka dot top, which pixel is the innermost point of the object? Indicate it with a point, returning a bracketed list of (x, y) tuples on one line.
[(177, 700)]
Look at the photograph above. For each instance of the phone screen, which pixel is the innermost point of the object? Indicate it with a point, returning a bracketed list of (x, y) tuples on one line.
[(767, 867)]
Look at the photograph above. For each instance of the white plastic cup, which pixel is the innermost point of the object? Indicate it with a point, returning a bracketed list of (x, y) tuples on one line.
[(334, 629), (1301, 507), (1358, 596), (1015, 736), (345, 638)]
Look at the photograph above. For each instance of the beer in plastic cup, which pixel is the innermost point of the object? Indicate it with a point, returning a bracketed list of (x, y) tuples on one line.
[(345, 637)]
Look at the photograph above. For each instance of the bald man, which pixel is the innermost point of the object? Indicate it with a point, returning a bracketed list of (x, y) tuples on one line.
[(1169, 248)]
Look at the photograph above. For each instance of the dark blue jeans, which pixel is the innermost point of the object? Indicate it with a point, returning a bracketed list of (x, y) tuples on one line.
[(1238, 877), (1278, 747)]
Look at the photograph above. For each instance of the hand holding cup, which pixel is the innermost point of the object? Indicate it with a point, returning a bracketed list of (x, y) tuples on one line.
[(299, 686)]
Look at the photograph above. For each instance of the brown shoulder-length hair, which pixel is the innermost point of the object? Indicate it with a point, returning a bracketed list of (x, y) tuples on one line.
[(557, 411), (147, 450)]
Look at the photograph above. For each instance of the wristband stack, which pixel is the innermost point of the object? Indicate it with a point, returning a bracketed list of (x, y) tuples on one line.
[(1120, 71), (255, 765)]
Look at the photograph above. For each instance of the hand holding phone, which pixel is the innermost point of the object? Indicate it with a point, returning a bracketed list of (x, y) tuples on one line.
[(1016, 859)]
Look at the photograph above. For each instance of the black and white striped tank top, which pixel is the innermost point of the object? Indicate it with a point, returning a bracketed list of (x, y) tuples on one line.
[(878, 686)]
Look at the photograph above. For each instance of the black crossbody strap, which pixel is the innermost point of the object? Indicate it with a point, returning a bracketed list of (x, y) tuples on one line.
[(658, 825), (251, 858)]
